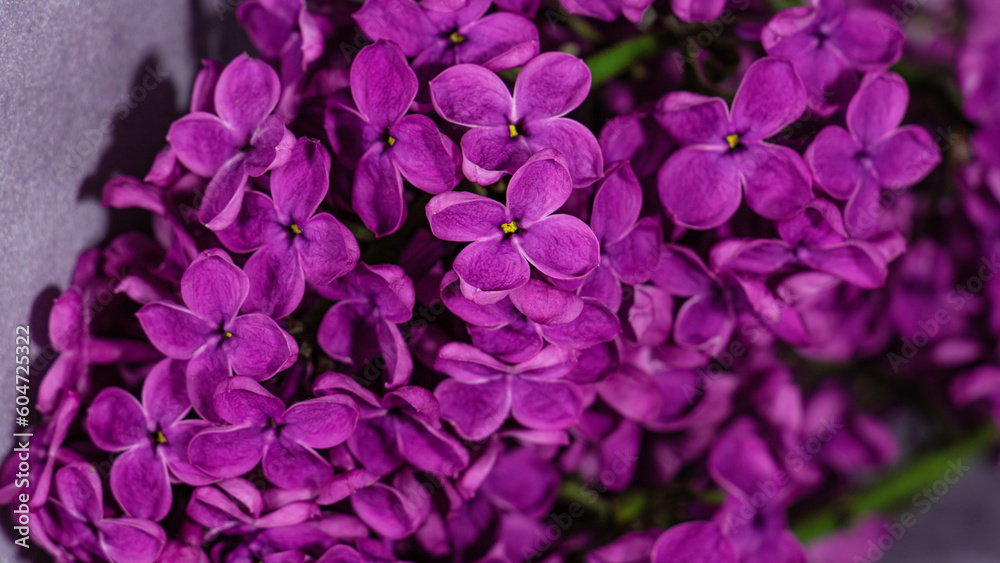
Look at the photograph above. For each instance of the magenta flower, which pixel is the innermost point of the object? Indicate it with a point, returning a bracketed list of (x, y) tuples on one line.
[(385, 145), (483, 391), (630, 246), (697, 10), (152, 437), (873, 153), (402, 427), (609, 10), (693, 541), (506, 238), (236, 506), (362, 325), (700, 184), (517, 327), (292, 243), (438, 39), (829, 43), (263, 431), (507, 130), (78, 524), (209, 331), (242, 140)]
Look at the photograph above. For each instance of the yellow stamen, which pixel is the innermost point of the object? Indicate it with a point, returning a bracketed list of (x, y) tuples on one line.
[(513, 130), (509, 228), (733, 140), (295, 229), (229, 335), (391, 141), (456, 38), (160, 438)]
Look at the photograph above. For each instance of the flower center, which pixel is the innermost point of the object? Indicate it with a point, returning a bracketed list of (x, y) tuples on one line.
[(160, 438), (733, 140), (456, 37), (513, 131), (295, 228), (390, 140), (509, 228)]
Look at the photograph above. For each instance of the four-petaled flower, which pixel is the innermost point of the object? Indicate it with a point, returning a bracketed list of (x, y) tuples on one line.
[(700, 184), (506, 238)]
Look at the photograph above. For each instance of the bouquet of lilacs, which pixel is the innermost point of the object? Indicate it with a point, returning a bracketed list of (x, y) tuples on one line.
[(596, 280)]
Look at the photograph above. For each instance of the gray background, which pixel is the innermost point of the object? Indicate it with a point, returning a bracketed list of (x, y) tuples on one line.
[(65, 64)]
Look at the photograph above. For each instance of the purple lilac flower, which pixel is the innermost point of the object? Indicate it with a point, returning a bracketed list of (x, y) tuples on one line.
[(384, 144), (81, 530), (152, 438), (209, 331), (262, 430), (829, 44), (506, 130), (697, 10), (609, 10), (362, 326), (438, 39), (241, 139), (875, 152), (723, 152), (506, 238), (518, 327), (483, 391), (402, 427), (236, 506), (291, 243)]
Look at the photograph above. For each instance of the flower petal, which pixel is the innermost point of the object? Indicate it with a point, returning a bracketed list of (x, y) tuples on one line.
[(320, 423), (869, 38), (131, 539), (204, 374), (229, 451), (245, 94), (430, 450), (224, 195), (635, 257), (476, 410), (277, 282), (301, 184), (577, 144), (258, 347), (852, 262), (694, 542), (79, 488), (202, 143), (465, 216), (617, 203), (551, 85), (327, 249), (770, 97), (488, 153), (242, 401), (382, 83), (595, 324), (878, 107), (292, 466), (693, 119), (539, 187), (378, 192), (256, 224), (425, 157), (175, 331), (214, 288), (546, 304), (905, 157), (832, 156), (473, 96), (776, 181), (164, 393), (699, 188), (140, 484), (545, 405), (560, 246), (492, 265), (116, 420)]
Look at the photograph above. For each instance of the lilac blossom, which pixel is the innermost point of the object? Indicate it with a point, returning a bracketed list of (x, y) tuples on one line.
[(438, 39), (81, 530), (874, 153), (262, 430), (723, 152), (829, 43), (209, 331), (151, 437), (371, 300), (240, 139), (402, 427), (609, 10), (384, 144), (507, 238), (506, 130), (482, 391), (291, 243)]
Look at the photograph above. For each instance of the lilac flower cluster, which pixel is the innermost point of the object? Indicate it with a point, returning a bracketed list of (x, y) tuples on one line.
[(465, 294)]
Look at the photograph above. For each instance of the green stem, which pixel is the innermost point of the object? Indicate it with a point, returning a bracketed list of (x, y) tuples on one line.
[(898, 487), (620, 57)]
